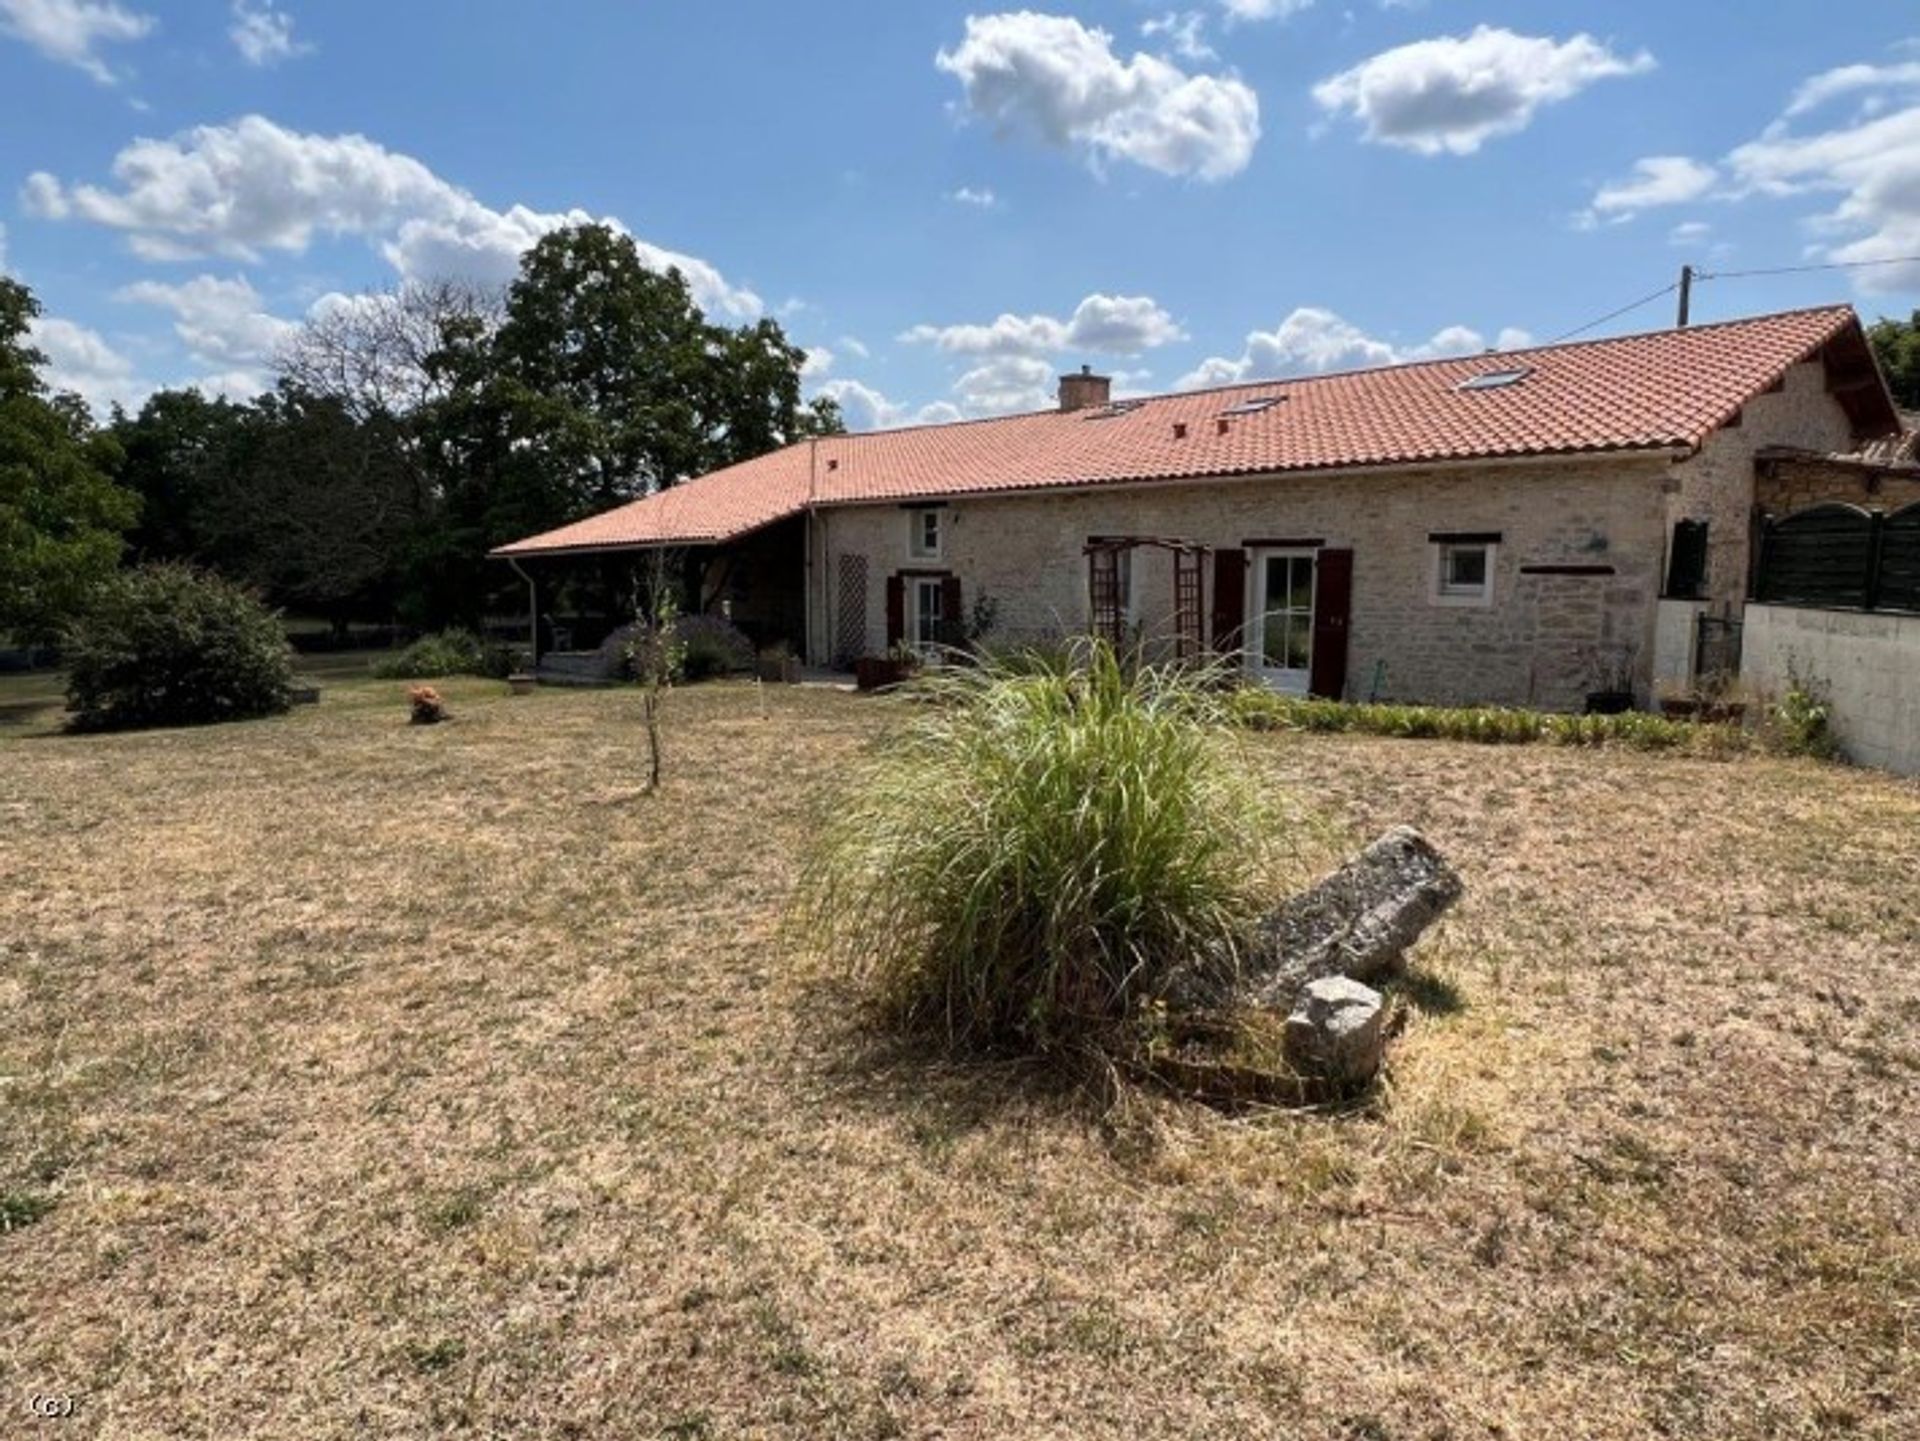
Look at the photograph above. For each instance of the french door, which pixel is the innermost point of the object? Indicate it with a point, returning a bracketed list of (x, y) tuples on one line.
[(1281, 650)]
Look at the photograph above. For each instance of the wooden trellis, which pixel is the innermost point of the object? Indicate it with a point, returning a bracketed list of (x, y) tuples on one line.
[(1103, 589)]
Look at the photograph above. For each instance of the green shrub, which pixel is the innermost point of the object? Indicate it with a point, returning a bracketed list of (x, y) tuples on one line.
[(1035, 852), (168, 645), (1483, 725), (1800, 723), (445, 653)]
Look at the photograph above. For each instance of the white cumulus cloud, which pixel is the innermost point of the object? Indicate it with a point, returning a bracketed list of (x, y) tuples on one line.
[(263, 34), (1184, 33), (1656, 180), (1100, 324), (1867, 161), (1054, 78), (1263, 9), (1454, 93), (72, 31), (222, 323), (243, 189), (81, 360), (1005, 384), (1314, 341), (864, 408)]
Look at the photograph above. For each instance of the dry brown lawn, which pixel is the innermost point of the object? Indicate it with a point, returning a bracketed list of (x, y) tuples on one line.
[(359, 1080)]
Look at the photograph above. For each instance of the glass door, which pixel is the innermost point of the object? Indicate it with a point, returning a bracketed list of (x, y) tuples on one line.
[(1282, 653)]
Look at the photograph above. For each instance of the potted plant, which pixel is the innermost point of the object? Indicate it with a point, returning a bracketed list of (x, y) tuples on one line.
[(1610, 673)]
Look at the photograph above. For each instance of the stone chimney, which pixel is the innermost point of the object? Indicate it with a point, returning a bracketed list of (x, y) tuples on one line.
[(1085, 390)]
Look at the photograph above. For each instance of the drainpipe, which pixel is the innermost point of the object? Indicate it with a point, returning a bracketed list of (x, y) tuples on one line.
[(807, 549), (828, 632), (533, 608)]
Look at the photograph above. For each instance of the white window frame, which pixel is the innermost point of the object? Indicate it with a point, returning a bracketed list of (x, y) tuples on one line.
[(1471, 596), (918, 586), (917, 521), (1288, 680)]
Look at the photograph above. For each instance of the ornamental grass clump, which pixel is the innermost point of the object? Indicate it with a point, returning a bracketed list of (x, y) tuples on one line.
[(1039, 850)]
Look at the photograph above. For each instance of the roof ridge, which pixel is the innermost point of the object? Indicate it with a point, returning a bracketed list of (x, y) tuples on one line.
[(1841, 306), (1268, 382)]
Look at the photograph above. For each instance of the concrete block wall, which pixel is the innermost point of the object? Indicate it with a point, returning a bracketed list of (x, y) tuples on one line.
[(1868, 664)]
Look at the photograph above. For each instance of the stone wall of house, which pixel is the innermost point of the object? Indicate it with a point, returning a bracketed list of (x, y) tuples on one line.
[(1541, 641), (1533, 645), (1717, 484), (1787, 485)]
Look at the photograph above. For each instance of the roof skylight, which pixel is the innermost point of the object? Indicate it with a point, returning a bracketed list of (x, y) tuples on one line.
[(1494, 379), (1254, 405)]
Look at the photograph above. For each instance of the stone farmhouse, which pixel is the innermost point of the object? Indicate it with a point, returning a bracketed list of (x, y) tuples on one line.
[(1523, 527)]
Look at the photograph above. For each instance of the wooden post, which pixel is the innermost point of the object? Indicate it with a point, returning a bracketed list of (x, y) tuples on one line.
[(1876, 558), (533, 609)]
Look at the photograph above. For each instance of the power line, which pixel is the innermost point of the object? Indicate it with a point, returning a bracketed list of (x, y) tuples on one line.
[(1666, 289), (1699, 275), (1802, 269)]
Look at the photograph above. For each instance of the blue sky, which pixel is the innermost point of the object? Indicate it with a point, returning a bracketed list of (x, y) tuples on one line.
[(946, 203)]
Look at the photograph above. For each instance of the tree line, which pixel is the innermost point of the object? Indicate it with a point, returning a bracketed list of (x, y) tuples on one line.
[(409, 432)]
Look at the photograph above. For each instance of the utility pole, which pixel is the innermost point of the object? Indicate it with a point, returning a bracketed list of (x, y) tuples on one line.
[(1686, 295)]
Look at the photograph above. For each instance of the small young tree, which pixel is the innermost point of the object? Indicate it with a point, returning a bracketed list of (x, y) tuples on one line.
[(656, 653)]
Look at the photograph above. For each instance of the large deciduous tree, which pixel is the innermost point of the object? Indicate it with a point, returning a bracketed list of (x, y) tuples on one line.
[(625, 384), (61, 515), (417, 428), (315, 508), (1897, 343), (173, 453)]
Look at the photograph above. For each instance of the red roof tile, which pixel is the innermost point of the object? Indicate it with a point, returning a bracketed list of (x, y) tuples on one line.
[(1664, 390)]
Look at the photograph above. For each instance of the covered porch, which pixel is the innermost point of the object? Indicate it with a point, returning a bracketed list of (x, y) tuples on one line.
[(578, 597)]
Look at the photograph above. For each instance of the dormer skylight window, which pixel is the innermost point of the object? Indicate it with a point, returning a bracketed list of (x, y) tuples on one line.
[(1494, 379), (1254, 405), (1118, 407)]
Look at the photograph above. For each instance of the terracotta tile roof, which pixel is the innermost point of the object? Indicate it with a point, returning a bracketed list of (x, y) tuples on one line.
[(1667, 390)]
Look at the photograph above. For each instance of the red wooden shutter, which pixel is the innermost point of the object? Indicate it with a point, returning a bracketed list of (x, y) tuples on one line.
[(1229, 599), (896, 611), (953, 625), (1332, 609)]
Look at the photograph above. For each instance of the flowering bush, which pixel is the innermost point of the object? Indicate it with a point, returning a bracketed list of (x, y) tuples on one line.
[(428, 708)]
